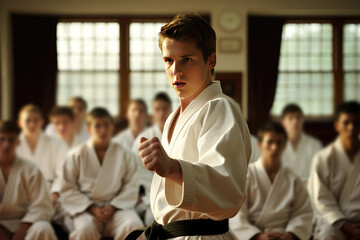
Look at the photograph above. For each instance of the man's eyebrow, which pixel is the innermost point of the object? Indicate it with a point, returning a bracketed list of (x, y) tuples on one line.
[(183, 56)]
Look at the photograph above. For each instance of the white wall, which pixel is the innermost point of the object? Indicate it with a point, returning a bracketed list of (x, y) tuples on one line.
[(225, 62)]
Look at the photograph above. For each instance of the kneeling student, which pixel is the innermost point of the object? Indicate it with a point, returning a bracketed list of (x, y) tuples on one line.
[(25, 205), (98, 188), (277, 204)]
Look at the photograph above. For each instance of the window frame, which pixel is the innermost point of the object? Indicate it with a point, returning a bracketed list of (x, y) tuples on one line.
[(338, 72)]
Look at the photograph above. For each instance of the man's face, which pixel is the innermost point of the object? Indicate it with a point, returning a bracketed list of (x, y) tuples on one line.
[(348, 126), (293, 123), (64, 125), (8, 144), (136, 115), (161, 111), (30, 123), (78, 109), (101, 130), (185, 67), (272, 145)]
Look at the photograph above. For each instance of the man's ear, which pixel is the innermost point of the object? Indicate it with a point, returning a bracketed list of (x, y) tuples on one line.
[(336, 126), (212, 61)]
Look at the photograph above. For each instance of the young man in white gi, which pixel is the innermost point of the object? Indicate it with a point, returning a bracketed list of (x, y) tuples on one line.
[(99, 188), (47, 152), (300, 147), (277, 206), (334, 182), (136, 115), (201, 163), (25, 205)]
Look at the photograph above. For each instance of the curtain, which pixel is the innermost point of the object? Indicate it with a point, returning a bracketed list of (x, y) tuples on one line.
[(264, 40), (34, 61)]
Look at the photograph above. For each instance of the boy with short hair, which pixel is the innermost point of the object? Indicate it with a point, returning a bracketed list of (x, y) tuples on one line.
[(300, 147), (47, 152), (136, 115), (334, 180), (63, 120), (99, 189), (161, 110), (200, 165), (277, 204), (25, 205), (78, 106)]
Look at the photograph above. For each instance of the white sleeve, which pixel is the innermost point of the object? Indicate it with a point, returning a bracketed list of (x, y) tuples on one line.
[(128, 195), (215, 185), (40, 207), (323, 200), (72, 199), (61, 150), (300, 219)]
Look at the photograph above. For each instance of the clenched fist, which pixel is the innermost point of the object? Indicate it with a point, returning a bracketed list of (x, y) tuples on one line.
[(156, 159)]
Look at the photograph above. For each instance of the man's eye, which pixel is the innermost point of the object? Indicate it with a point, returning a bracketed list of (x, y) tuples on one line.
[(167, 60), (187, 59)]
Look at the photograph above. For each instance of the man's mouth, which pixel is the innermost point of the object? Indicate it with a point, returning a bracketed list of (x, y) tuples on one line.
[(179, 84)]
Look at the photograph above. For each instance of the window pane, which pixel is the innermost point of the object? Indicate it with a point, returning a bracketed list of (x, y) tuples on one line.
[(305, 69), (88, 63), (147, 76)]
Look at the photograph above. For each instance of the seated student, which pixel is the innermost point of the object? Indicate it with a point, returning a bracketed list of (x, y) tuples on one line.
[(277, 204), (47, 152), (300, 147), (136, 115), (63, 120), (99, 189), (78, 106), (334, 182), (161, 110), (25, 205)]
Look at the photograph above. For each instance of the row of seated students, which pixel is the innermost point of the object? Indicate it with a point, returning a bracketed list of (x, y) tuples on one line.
[(95, 192)]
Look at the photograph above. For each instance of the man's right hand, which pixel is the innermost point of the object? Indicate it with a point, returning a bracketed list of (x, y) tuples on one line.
[(267, 236)]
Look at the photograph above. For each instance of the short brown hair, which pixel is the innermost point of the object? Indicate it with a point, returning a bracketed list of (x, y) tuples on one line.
[(291, 108), (190, 26), (61, 110), (137, 101), (9, 127), (98, 112), (79, 100), (350, 107), (30, 108), (273, 127)]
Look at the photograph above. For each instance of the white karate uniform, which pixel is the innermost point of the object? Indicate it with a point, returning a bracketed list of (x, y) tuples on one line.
[(211, 140), (81, 137), (281, 206), (255, 150), (299, 160), (125, 138), (145, 176), (86, 182), (334, 188), (24, 198), (49, 155)]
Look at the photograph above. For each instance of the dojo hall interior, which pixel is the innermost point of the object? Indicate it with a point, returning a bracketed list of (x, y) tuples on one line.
[(269, 53)]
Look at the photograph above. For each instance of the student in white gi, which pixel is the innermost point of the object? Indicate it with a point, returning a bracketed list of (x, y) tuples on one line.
[(25, 205), (79, 107), (301, 147), (63, 120), (136, 115), (99, 187), (47, 152), (161, 106), (277, 206), (200, 166), (334, 183)]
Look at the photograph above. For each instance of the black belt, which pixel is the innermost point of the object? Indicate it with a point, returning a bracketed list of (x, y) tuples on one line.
[(195, 227)]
